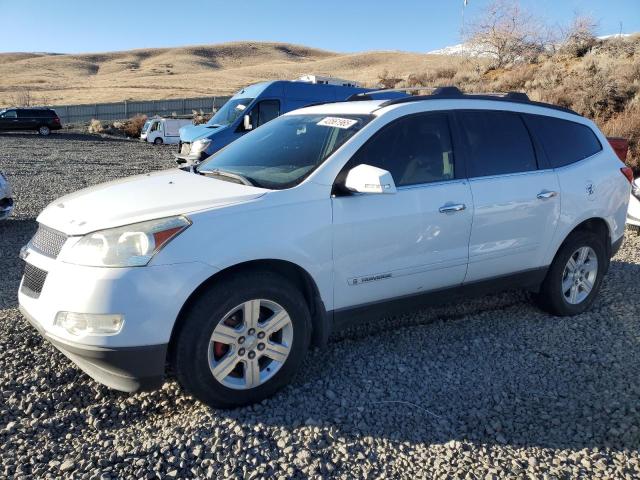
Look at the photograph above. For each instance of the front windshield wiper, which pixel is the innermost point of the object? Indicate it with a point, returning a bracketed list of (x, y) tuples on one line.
[(214, 125), (223, 173)]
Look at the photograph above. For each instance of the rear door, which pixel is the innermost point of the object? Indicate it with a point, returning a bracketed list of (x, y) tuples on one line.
[(27, 119), (410, 242), (516, 195)]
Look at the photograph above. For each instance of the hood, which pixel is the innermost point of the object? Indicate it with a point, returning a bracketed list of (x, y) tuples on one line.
[(191, 133), (140, 198)]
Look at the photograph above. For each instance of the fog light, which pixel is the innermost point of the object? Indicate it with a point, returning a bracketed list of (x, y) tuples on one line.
[(89, 323)]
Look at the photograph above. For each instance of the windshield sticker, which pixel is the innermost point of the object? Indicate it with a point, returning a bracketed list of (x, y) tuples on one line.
[(240, 106), (337, 122)]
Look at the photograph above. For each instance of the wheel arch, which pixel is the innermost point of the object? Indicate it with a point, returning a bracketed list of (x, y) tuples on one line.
[(597, 225), (298, 275)]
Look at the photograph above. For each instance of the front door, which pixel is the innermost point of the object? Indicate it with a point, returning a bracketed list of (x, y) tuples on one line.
[(9, 120), (410, 242)]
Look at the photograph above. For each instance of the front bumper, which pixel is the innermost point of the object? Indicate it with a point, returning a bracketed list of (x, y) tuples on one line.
[(150, 299), (6, 207), (128, 369)]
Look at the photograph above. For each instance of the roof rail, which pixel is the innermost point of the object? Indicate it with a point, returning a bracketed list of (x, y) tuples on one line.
[(451, 92)]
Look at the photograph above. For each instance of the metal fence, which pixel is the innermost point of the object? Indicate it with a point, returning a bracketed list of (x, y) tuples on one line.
[(127, 109)]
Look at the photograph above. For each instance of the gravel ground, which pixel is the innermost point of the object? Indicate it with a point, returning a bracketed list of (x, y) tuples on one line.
[(487, 389)]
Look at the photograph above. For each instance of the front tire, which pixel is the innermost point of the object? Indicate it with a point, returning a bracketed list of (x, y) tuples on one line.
[(242, 339), (44, 130), (575, 276), (158, 141)]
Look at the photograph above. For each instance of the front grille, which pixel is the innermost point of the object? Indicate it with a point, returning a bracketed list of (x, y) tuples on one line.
[(47, 241), (185, 148), (33, 280)]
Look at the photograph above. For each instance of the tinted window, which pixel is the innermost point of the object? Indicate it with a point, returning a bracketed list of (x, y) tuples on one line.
[(498, 143), (415, 149), (267, 110), (563, 141), (9, 114)]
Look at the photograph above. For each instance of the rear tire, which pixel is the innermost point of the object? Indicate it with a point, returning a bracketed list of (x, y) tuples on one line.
[(235, 366), (575, 275), (44, 130), (158, 141)]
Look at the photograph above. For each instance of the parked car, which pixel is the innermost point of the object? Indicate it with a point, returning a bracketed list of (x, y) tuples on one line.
[(633, 214), (621, 147), (6, 197), (315, 220), (255, 105), (160, 130), (41, 120)]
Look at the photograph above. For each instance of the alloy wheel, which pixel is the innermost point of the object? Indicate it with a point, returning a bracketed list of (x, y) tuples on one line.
[(579, 275), (250, 344)]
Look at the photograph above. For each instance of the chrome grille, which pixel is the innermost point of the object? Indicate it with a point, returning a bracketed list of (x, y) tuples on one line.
[(47, 241), (185, 148), (33, 280)]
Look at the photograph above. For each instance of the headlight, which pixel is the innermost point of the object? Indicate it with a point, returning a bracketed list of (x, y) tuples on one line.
[(128, 246), (200, 145)]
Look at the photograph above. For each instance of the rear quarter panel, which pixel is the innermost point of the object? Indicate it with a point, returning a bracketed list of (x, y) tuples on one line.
[(592, 188)]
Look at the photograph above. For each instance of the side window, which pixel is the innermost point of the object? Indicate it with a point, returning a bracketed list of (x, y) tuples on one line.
[(497, 143), (265, 111), (563, 141), (9, 114), (25, 114), (155, 126), (414, 149)]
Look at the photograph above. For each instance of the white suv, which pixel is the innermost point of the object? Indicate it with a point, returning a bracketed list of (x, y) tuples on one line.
[(229, 273)]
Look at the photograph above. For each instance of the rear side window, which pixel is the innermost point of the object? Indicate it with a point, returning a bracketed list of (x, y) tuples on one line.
[(563, 141), (497, 143)]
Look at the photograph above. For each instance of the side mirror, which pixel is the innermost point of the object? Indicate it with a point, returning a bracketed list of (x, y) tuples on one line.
[(368, 179), (246, 122)]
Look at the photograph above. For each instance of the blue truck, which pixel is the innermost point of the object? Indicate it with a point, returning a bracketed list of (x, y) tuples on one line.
[(253, 106)]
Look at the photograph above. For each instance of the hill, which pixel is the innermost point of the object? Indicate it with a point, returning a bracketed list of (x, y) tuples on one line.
[(160, 73)]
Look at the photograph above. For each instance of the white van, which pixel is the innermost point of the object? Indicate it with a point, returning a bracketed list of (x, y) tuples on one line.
[(158, 130)]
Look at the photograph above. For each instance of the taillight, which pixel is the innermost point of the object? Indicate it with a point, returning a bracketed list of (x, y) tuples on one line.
[(627, 172), (620, 146)]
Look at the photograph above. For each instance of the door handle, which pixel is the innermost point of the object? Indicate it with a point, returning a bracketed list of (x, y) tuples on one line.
[(452, 208), (543, 195)]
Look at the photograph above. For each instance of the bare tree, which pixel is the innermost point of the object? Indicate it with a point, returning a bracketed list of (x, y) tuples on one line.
[(579, 37), (22, 98), (506, 34)]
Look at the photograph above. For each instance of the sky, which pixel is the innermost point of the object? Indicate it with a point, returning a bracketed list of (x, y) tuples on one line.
[(75, 26)]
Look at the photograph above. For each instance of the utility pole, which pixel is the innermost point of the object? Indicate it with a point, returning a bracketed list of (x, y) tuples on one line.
[(464, 4)]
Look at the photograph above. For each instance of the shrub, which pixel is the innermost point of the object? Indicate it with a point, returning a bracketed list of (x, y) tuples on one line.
[(385, 80), (95, 126), (200, 117), (133, 127)]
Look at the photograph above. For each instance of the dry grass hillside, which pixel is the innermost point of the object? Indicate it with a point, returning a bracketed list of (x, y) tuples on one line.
[(187, 71)]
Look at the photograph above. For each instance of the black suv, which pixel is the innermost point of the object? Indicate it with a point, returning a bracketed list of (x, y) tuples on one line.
[(42, 120)]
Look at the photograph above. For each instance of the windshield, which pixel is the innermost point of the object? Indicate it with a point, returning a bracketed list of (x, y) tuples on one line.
[(145, 127), (230, 111), (284, 151)]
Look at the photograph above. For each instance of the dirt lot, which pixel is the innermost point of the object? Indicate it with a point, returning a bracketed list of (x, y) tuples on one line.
[(486, 389)]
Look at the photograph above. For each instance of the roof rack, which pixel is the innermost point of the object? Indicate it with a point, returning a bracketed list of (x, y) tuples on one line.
[(451, 92)]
